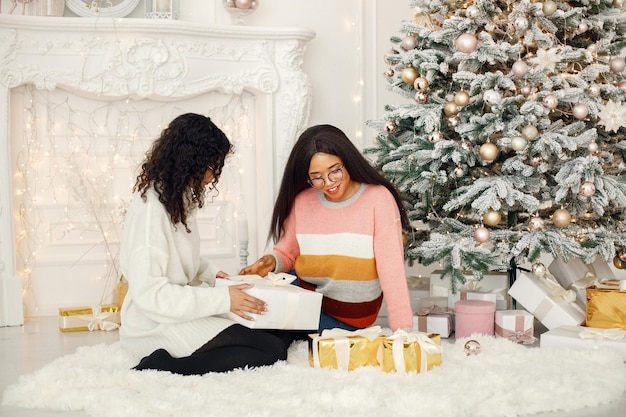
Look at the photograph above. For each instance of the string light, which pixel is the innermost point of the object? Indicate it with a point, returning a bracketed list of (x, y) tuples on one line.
[(74, 167)]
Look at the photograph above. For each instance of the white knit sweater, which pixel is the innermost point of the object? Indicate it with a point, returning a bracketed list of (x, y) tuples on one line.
[(166, 307)]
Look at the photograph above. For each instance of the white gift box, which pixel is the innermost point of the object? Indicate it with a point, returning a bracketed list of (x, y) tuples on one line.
[(428, 302), (580, 337), (434, 320), (576, 275), (515, 325), (496, 283), (289, 307), (551, 304)]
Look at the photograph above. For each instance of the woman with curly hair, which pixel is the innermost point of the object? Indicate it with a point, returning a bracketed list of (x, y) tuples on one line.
[(170, 312), (338, 222)]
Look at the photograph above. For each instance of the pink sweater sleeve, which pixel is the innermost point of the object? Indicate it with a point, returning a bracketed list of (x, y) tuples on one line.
[(389, 253), (287, 249)]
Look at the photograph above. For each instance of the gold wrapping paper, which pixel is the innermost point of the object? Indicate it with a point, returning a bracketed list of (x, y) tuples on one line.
[(412, 354), (89, 318), (345, 352), (606, 307)]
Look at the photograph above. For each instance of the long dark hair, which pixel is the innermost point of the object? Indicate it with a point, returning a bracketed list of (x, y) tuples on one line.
[(331, 140), (178, 160)]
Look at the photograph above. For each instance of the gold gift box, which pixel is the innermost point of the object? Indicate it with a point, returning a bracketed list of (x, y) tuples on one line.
[(345, 352), (606, 307), (88, 318), (414, 353)]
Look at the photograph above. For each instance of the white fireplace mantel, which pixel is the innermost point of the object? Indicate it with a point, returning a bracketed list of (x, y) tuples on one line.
[(151, 59)]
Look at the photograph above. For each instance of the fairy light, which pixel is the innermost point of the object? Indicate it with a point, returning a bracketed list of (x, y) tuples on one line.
[(73, 179)]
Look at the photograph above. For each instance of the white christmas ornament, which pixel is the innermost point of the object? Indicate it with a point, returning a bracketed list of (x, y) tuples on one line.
[(612, 116), (492, 97), (546, 59), (520, 68)]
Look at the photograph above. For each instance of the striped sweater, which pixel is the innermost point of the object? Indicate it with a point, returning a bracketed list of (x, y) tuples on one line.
[(351, 252)]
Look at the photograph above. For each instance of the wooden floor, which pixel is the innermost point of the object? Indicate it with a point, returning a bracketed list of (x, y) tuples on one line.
[(27, 348)]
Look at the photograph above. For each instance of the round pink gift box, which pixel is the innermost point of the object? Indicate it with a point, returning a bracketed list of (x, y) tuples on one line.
[(474, 316)]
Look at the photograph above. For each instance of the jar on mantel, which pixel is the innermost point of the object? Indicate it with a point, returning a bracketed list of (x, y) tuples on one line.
[(50, 7), (240, 8)]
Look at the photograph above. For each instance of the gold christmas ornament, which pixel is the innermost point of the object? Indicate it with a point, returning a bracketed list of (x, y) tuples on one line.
[(561, 218), (389, 54), (530, 132), (488, 151), (492, 217), (617, 262), (408, 75), (450, 109), (461, 98), (549, 7), (420, 84), (390, 127)]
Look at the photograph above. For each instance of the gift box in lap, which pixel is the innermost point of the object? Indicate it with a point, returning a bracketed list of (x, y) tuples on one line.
[(582, 337), (606, 305), (347, 350), (289, 307), (89, 318), (550, 303), (411, 352)]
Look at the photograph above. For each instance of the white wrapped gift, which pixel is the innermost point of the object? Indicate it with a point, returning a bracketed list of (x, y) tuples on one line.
[(496, 283), (551, 304), (428, 302), (515, 325), (577, 276), (289, 307), (580, 337), (434, 319)]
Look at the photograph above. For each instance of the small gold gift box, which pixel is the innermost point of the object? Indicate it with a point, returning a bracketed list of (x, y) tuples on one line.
[(89, 318), (606, 306), (344, 349), (411, 352)]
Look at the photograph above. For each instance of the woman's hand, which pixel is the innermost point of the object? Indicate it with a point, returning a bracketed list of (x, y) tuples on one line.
[(241, 302), (264, 265)]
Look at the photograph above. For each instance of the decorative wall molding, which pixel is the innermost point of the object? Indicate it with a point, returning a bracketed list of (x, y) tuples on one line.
[(152, 59)]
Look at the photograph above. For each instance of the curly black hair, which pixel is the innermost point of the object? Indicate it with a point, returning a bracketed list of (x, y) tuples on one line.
[(178, 160)]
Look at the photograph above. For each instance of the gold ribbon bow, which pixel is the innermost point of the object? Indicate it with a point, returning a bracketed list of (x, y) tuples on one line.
[(427, 347), (99, 320), (342, 343)]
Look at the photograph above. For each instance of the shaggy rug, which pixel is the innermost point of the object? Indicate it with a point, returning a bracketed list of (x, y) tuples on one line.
[(504, 379)]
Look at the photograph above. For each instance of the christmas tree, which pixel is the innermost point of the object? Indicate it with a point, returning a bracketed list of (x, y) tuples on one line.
[(511, 142)]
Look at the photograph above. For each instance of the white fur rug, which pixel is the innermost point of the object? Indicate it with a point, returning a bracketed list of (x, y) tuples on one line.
[(505, 379)]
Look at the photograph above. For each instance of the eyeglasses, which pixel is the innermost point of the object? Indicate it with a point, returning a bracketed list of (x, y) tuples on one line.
[(333, 176)]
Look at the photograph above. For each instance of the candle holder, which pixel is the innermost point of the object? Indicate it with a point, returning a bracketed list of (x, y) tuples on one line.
[(161, 9), (243, 253), (240, 8)]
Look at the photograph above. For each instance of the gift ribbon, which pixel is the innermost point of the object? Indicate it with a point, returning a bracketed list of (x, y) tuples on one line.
[(98, 320), (556, 295), (342, 343), (422, 316), (600, 334), (519, 335), (426, 344), (280, 279)]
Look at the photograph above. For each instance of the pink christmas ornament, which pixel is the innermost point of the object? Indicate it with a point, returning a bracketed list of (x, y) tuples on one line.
[(551, 102), (243, 4), (617, 65), (587, 189), (482, 234), (409, 42), (466, 43), (592, 147), (536, 224), (580, 111), (519, 68)]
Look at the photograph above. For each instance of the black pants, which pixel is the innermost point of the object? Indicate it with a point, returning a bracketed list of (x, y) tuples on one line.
[(235, 347)]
